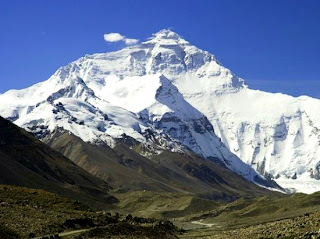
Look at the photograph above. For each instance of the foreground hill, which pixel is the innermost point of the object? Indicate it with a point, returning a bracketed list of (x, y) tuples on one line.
[(31, 213), (27, 162)]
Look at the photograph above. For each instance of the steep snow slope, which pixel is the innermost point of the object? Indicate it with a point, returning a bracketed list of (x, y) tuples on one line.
[(65, 101), (157, 115), (67, 104), (160, 104), (276, 134)]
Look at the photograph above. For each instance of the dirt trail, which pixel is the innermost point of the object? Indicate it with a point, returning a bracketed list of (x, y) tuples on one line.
[(65, 234)]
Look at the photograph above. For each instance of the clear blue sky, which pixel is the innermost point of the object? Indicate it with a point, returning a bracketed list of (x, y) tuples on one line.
[(273, 44)]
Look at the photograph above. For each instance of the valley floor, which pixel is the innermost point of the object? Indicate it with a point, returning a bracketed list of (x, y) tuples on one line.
[(30, 213), (287, 216), (307, 226)]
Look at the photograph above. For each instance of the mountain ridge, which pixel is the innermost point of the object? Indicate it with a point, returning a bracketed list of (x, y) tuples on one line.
[(129, 166), (245, 120)]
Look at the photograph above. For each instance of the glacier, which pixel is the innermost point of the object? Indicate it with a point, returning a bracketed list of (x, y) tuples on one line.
[(187, 99)]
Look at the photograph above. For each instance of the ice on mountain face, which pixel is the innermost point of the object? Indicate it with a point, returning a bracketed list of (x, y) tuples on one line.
[(160, 104), (66, 102), (275, 133), (131, 106), (180, 93)]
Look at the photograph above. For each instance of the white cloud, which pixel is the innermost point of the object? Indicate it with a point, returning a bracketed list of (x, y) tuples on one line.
[(115, 37), (130, 41)]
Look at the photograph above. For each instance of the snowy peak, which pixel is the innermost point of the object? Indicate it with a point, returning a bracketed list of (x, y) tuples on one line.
[(171, 54), (169, 95), (166, 34), (183, 96), (165, 53), (166, 37), (76, 88)]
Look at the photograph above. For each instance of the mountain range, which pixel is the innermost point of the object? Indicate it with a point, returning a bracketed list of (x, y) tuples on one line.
[(168, 97)]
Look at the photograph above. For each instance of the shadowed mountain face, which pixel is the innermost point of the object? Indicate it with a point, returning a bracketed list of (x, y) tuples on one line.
[(27, 162), (126, 169)]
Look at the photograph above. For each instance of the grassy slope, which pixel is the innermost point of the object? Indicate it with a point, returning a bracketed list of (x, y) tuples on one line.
[(263, 217), (28, 211), (31, 212), (164, 205), (304, 227), (243, 218), (263, 209)]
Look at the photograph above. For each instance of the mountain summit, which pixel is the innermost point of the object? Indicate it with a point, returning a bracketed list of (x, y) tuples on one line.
[(168, 36), (168, 94)]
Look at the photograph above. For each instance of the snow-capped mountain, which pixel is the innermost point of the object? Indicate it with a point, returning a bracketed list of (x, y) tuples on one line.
[(182, 97), (157, 115)]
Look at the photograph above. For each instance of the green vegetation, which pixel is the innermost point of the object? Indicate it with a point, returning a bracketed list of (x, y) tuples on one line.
[(29, 212), (131, 230), (26, 213), (37, 212), (304, 227), (163, 205), (246, 212), (290, 216)]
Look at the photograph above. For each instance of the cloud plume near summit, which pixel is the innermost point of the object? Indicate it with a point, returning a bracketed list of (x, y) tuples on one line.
[(116, 37)]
